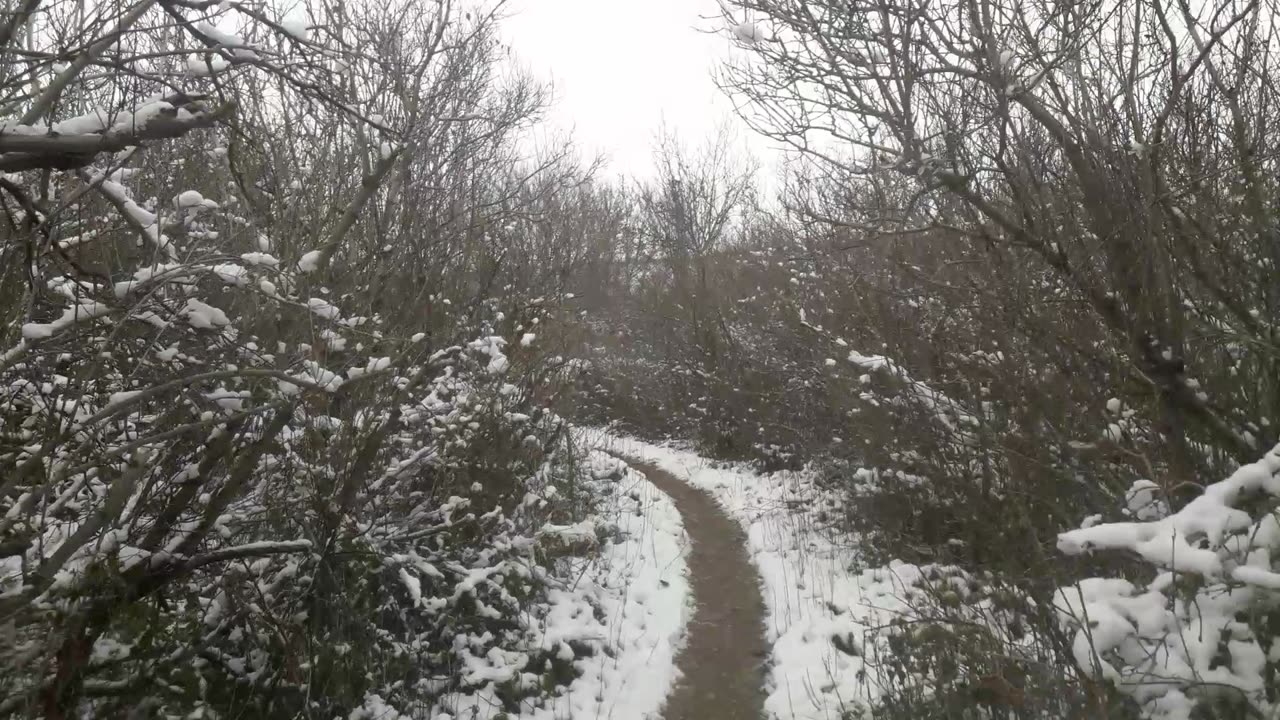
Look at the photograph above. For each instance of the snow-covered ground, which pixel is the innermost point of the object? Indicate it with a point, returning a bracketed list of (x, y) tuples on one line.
[(629, 602), (641, 583), (812, 589)]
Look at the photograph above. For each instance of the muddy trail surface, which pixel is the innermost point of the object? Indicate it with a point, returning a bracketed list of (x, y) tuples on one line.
[(722, 664)]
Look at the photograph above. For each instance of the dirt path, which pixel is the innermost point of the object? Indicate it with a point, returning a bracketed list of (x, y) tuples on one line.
[(723, 661)]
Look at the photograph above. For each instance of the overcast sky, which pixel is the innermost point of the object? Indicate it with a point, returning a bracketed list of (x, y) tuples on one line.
[(622, 68)]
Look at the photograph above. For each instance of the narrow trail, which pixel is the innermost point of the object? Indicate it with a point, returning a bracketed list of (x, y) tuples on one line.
[(723, 660)]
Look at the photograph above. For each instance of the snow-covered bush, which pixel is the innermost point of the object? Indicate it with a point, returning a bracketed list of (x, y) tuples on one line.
[(271, 534), (965, 645), (1193, 631), (253, 460)]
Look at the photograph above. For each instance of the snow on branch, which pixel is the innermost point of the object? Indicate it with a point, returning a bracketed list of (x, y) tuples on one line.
[(143, 221), (947, 410), (1195, 632), (75, 143), (248, 550), (1195, 539), (79, 312)]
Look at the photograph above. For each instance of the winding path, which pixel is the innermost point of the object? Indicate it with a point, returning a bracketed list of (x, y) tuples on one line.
[(722, 664)]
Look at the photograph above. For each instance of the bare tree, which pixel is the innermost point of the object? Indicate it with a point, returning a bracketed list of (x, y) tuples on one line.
[(689, 215), (1058, 131)]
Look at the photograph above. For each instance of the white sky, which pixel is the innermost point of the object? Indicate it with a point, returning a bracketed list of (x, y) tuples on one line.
[(621, 68)]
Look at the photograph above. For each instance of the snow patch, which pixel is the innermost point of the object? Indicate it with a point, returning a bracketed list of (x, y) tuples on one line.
[(637, 581)]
